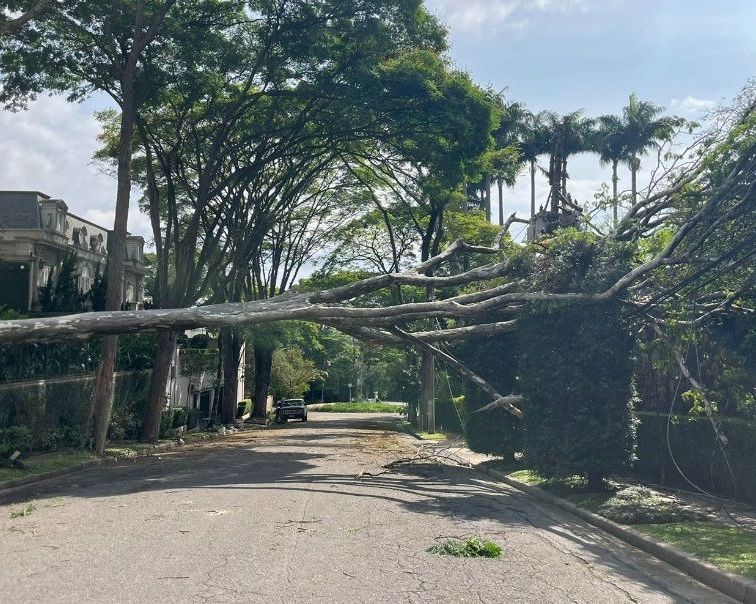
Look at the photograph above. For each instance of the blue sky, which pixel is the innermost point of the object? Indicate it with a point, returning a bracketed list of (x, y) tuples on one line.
[(562, 55)]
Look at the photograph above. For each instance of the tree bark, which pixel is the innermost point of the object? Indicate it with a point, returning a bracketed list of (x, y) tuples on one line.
[(101, 404), (102, 394), (263, 366), (166, 346)]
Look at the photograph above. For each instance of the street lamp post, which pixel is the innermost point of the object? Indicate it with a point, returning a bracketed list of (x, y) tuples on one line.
[(350, 391)]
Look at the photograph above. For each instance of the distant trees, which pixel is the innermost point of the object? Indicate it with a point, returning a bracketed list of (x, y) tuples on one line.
[(292, 373), (62, 293)]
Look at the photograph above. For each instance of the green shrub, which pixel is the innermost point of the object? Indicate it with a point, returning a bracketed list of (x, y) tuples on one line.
[(17, 438), (576, 377), (192, 418), (698, 455), (180, 417), (166, 423), (494, 358)]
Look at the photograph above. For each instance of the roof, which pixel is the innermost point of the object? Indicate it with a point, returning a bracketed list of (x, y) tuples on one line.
[(19, 210)]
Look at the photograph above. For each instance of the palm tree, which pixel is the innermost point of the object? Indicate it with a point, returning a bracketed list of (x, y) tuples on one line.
[(645, 130), (570, 133), (534, 142), (611, 144), (507, 159)]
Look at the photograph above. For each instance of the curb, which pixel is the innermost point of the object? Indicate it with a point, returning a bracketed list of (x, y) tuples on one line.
[(104, 461), (732, 585)]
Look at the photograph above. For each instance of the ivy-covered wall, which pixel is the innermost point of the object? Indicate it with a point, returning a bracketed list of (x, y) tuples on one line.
[(55, 412)]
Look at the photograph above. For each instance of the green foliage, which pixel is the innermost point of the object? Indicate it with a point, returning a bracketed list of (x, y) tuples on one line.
[(474, 547), (494, 358), (195, 362), (180, 417), (56, 414), (192, 419), (166, 423), (62, 294), (575, 372), (15, 438), (27, 510), (702, 460), (358, 408), (8, 314), (291, 373), (576, 365)]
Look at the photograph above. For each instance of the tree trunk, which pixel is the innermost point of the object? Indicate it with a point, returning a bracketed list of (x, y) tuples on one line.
[(427, 419), (634, 165), (102, 394), (101, 404), (487, 197), (263, 366), (231, 351), (532, 189), (500, 183), (166, 346), (615, 200)]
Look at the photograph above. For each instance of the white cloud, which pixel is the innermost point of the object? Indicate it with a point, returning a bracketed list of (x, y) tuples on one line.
[(49, 148), (474, 15), (692, 105)]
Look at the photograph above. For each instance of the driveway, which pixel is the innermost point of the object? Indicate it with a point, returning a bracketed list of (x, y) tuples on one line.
[(307, 513)]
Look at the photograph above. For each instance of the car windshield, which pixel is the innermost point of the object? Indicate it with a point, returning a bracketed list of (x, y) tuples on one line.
[(293, 403)]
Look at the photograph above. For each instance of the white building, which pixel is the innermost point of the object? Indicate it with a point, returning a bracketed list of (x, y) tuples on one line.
[(36, 232)]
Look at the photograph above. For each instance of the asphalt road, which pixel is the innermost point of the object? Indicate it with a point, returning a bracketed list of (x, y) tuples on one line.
[(307, 513)]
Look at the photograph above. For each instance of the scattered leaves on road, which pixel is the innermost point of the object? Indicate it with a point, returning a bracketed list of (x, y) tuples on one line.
[(24, 511), (474, 547)]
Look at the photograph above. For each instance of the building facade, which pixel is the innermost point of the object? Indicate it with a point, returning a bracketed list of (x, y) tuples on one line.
[(36, 234)]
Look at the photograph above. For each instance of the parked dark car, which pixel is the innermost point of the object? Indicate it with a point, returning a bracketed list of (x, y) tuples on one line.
[(291, 408)]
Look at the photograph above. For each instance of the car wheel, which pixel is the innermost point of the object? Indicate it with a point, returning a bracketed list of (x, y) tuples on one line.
[(304, 419)]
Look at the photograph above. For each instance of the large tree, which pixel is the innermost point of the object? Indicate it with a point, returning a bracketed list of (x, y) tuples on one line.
[(612, 146), (644, 129), (82, 47)]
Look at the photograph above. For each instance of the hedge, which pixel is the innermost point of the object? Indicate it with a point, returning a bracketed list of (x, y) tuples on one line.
[(55, 413), (694, 447)]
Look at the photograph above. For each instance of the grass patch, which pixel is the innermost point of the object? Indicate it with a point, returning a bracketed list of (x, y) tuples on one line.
[(358, 408), (437, 436), (640, 505), (474, 547), (528, 477), (626, 505), (47, 462), (728, 547), (24, 511)]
